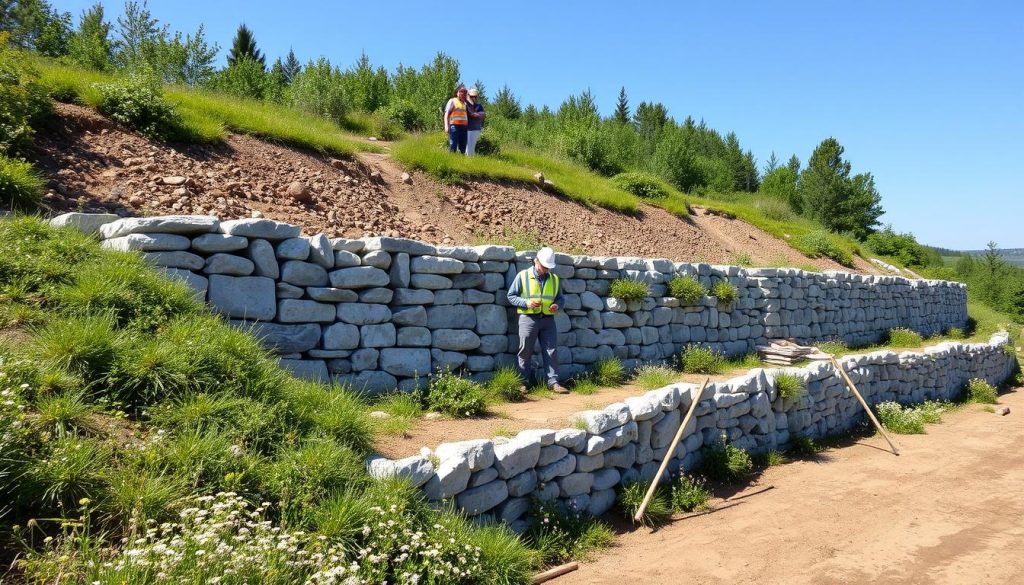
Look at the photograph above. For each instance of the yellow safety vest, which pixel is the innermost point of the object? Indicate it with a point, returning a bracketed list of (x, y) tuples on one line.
[(458, 115), (532, 290)]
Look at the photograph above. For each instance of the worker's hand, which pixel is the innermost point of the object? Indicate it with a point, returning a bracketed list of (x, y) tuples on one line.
[(554, 308), (533, 304)]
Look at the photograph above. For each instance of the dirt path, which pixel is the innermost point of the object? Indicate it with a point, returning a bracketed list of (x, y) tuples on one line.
[(947, 510)]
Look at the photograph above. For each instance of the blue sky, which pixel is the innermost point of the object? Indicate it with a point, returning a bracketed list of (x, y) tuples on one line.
[(927, 96)]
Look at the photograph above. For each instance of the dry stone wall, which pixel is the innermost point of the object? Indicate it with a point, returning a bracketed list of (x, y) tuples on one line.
[(382, 313), (627, 441)]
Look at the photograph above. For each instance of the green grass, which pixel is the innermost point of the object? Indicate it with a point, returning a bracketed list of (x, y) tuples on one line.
[(688, 494), (505, 385), (726, 293), (585, 386), (687, 289), (456, 396), (902, 337), (631, 495), (651, 376), (64, 413), (21, 187), (609, 372), (790, 387), (771, 458), (726, 463), (900, 419), (629, 289), (560, 535), (697, 359), (802, 446), (981, 392)]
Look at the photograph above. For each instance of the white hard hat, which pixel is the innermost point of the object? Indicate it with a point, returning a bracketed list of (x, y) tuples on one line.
[(546, 257)]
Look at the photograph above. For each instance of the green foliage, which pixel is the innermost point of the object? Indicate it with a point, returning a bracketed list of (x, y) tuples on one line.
[(689, 493), (70, 469), (138, 103), (830, 195), (455, 396), (836, 347), (771, 458), (896, 418), (90, 45), (802, 446), (641, 184), (780, 186), (504, 557), (585, 386), (85, 346), (774, 208), (609, 372), (404, 115), (725, 462), (629, 289), (307, 473), (790, 387), (726, 292), (631, 495), (956, 333), (903, 337), (23, 103), (21, 187), (243, 48), (328, 410), (62, 414), (819, 244), (245, 78), (980, 391), (903, 248), (560, 536), (141, 493), (687, 289), (651, 376), (505, 384), (698, 359)]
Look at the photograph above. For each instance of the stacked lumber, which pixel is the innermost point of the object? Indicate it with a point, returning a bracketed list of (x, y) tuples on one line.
[(787, 353)]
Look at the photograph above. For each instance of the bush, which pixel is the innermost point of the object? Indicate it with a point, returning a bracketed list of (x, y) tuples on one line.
[(956, 333), (790, 387), (488, 145), (650, 376), (629, 289), (896, 418), (687, 289), (21, 187), (631, 495), (689, 494), (697, 359), (506, 384), (725, 292), (246, 78), (560, 535), (23, 102), (641, 185), (609, 372), (980, 391), (455, 396), (802, 446), (725, 462), (818, 244), (903, 247), (138, 103), (405, 115), (319, 90), (774, 208), (902, 337)]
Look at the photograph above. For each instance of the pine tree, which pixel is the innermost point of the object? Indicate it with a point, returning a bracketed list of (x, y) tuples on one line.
[(291, 67), (794, 165), (506, 105), (830, 195), (622, 108), (244, 47), (772, 164)]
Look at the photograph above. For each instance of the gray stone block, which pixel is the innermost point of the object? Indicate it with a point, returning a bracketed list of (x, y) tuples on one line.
[(412, 296), (413, 337), (292, 249), (455, 339), (572, 439), (302, 273), (522, 484), (405, 362), (451, 477), (399, 271), (87, 223), (479, 453), (229, 264), (515, 457), (476, 501), (415, 316), (491, 320), (551, 454), (545, 436), (622, 457), (283, 339), (606, 479), (315, 370), (451, 317), (147, 243), (299, 311), (178, 259), (586, 463), (368, 382), (600, 502), (289, 291), (363, 314), (430, 281), (575, 484), (346, 259), (417, 469), (261, 252), (359, 277), (435, 265), (377, 259), (198, 284), (382, 335), (448, 297), (354, 246), (341, 336), (365, 359), (247, 297), (332, 295), (559, 468), (167, 224), (411, 247), (599, 421), (266, 229), (321, 252), (512, 509)]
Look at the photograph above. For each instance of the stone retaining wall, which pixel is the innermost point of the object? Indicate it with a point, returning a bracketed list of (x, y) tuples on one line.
[(382, 313), (581, 467)]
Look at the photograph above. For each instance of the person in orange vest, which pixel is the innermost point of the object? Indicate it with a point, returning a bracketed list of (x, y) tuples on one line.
[(537, 295), (456, 121)]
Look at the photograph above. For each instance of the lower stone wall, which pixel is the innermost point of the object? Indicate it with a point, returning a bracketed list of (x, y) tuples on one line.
[(626, 441)]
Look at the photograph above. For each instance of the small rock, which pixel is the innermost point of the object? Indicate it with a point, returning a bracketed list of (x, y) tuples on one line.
[(1003, 411), (299, 192), (372, 139), (539, 177), (407, 178), (174, 180), (379, 414), (256, 214), (180, 192), (337, 163), (376, 177), (549, 184), (432, 416)]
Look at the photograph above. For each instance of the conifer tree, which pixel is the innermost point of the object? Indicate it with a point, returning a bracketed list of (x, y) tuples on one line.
[(290, 67), (622, 108), (506, 105), (830, 195), (244, 47)]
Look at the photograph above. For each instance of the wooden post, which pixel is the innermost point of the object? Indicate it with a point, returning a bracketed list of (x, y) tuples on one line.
[(555, 572), (864, 403), (671, 449)]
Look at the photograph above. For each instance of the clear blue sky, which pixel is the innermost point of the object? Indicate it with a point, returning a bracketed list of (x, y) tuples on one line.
[(928, 96)]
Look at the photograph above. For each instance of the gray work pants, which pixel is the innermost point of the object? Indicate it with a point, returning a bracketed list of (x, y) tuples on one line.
[(531, 329)]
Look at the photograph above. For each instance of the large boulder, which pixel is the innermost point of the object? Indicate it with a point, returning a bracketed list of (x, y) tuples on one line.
[(247, 297)]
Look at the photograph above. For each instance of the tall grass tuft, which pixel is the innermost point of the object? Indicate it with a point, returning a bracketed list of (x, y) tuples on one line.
[(86, 346), (631, 495), (652, 376), (981, 392), (689, 493), (21, 187), (455, 396), (609, 372), (726, 462), (790, 387), (505, 384), (629, 289), (64, 413), (330, 410), (72, 469), (902, 337), (726, 293), (687, 289), (697, 359)]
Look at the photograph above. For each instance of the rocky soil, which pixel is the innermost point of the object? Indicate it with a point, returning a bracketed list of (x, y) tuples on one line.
[(94, 165)]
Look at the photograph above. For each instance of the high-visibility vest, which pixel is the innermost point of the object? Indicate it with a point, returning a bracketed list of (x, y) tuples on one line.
[(532, 290), (458, 114)]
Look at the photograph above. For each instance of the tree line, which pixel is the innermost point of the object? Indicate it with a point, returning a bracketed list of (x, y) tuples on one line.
[(688, 154)]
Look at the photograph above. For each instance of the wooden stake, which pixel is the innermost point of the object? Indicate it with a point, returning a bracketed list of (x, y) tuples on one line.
[(671, 449), (555, 572), (864, 403)]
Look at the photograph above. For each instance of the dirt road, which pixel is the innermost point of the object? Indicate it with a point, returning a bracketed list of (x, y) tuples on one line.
[(948, 510)]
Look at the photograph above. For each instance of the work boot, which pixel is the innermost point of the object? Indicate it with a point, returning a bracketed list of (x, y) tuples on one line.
[(559, 389)]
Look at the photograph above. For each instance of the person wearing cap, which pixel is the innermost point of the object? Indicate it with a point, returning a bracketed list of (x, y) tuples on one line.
[(537, 295), (475, 110), (456, 120)]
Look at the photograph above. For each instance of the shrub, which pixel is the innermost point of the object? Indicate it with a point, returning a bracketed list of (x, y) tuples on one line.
[(650, 376), (455, 396), (506, 384), (319, 90), (956, 333), (802, 446), (687, 289), (628, 289), (641, 185), (79, 345), (689, 494), (790, 387), (560, 535), (609, 372), (697, 359), (246, 421), (902, 337), (896, 418), (405, 115), (902, 247), (488, 145), (21, 186), (245, 78), (724, 462), (631, 495), (23, 101), (138, 103), (980, 391), (774, 208), (818, 244), (725, 292)]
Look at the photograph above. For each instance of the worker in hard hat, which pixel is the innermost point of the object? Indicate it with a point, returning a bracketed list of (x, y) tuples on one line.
[(537, 295)]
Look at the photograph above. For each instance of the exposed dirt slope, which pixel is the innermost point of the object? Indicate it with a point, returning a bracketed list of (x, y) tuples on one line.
[(946, 511), (93, 164)]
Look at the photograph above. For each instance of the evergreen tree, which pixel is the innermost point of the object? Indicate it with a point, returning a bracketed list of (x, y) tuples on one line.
[(794, 165), (36, 25), (90, 45), (139, 37), (830, 195), (195, 66), (480, 87), (622, 107), (650, 119), (244, 47), (506, 105), (772, 164), (291, 67)]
